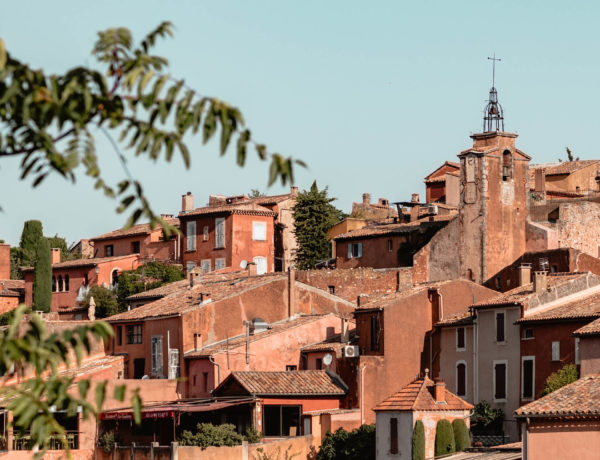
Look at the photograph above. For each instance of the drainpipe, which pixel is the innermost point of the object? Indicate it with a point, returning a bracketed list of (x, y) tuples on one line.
[(475, 358), (210, 358), (362, 393)]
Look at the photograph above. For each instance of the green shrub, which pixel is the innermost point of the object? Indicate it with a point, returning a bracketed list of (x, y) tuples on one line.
[(461, 434), (358, 444), (211, 435), (107, 441), (486, 420), (105, 300), (564, 376), (444, 438), (418, 441), (253, 435)]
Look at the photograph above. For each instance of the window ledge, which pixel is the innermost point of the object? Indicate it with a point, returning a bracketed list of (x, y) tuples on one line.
[(461, 349), (500, 400), (190, 250), (501, 343), (527, 338)]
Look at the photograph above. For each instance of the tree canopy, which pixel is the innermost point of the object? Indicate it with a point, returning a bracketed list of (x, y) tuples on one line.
[(567, 374), (314, 215)]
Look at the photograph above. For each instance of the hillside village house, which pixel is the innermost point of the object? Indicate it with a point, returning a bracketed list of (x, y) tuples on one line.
[(567, 179), (71, 280), (12, 292), (149, 243), (443, 184)]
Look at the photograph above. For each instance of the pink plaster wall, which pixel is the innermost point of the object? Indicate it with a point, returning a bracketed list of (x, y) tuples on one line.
[(589, 355), (564, 439)]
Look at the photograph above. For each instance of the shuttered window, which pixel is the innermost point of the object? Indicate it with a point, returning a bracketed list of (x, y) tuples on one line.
[(220, 232), (500, 336), (555, 351), (461, 379), (191, 236), (500, 381), (527, 386), (393, 435), (157, 359), (460, 338)]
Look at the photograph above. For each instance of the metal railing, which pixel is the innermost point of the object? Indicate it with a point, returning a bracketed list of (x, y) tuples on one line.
[(24, 442)]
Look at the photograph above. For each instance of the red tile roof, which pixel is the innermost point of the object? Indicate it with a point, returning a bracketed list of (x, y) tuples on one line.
[(394, 229), (140, 229), (581, 308), (580, 398), (86, 262), (13, 285), (243, 207), (590, 329), (191, 298), (565, 167), (439, 175), (419, 396), (287, 383), (456, 319)]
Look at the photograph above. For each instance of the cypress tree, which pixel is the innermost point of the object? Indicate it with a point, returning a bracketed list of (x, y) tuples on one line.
[(314, 215), (444, 438), (461, 434), (418, 441), (31, 234), (42, 277)]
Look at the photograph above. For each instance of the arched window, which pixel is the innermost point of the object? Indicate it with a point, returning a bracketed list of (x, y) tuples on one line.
[(461, 378), (66, 282), (114, 276), (54, 284), (60, 283), (507, 165)]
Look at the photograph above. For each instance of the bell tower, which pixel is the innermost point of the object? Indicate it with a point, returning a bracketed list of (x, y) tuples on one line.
[(493, 208)]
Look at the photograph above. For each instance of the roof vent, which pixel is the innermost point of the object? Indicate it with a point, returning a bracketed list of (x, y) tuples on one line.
[(258, 325)]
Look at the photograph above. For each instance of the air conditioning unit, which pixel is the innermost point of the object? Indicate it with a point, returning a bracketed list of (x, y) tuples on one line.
[(351, 351), (433, 209)]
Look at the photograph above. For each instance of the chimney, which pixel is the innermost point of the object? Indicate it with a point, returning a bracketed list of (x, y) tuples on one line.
[(204, 296), (191, 280), (540, 180), (524, 274), (345, 336), (440, 391), (251, 267), (4, 261), (383, 202), (291, 292), (540, 281), (197, 341), (366, 198), (187, 202), (414, 198), (55, 255), (294, 190), (414, 212)]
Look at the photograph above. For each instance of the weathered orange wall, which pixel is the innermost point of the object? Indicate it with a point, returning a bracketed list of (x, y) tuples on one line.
[(375, 252), (564, 439), (589, 353), (8, 303), (150, 246), (4, 261), (79, 454)]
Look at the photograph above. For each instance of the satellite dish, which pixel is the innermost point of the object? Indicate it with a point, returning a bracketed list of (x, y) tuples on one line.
[(327, 359), (145, 377), (243, 264)]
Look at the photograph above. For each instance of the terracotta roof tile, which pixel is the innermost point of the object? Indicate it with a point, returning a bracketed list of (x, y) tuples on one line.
[(13, 285), (565, 167), (393, 229), (592, 328), (302, 383), (456, 319), (243, 207), (419, 395), (86, 262), (140, 229), (191, 298), (582, 308), (333, 344), (580, 398)]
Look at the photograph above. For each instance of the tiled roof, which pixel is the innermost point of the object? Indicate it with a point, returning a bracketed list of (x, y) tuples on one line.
[(140, 229), (393, 229), (86, 262), (273, 199), (284, 383), (190, 298), (565, 167), (456, 319), (243, 207), (13, 285), (581, 308), (419, 395), (580, 398), (522, 294), (592, 328), (332, 344), (385, 299), (274, 328), (439, 175)]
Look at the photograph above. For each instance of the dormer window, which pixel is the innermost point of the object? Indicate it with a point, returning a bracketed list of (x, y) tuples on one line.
[(507, 172)]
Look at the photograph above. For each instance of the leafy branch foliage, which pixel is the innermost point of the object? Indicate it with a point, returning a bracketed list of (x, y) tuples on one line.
[(486, 420), (357, 444), (567, 374), (27, 347), (145, 277), (49, 120)]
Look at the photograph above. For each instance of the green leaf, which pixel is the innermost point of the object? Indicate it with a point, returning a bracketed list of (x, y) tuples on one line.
[(136, 405), (100, 395), (2, 55), (119, 392)]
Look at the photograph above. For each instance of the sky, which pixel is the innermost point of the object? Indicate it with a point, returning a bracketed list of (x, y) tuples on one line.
[(373, 96)]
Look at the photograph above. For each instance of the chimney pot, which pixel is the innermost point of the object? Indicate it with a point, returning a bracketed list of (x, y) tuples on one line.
[(294, 190), (414, 198), (366, 198), (55, 255), (197, 341), (251, 267), (187, 202)]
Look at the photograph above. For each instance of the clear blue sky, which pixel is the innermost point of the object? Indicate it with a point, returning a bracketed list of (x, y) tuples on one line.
[(372, 95)]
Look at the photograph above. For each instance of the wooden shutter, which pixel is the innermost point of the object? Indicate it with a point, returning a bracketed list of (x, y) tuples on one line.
[(500, 381), (460, 337), (220, 232), (528, 378), (393, 435), (461, 379), (500, 327)]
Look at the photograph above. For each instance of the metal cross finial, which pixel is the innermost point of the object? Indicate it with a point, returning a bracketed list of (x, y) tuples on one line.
[(494, 59)]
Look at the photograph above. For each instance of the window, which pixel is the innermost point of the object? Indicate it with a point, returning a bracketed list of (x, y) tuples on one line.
[(259, 231), (555, 351), (85, 280), (528, 376), (66, 282), (500, 338), (500, 375), (157, 359), (135, 247), (261, 265), (354, 250), (331, 289), (319, 364), (139, 368), (205, 233), (190, 236), (190, 265), (506, 165), (174, 366), (281, 420), (374, 333), (114, 277), (554, 268), (460, 338), (54, 284), (205, 382), (108, 250), (134, 333), (220, 232), (219, 264), (291, 367), (393, 435), (390, 245), (528, 334), (60, 283), (577, 358), (461, 378), (119, 335), (205, 265)]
